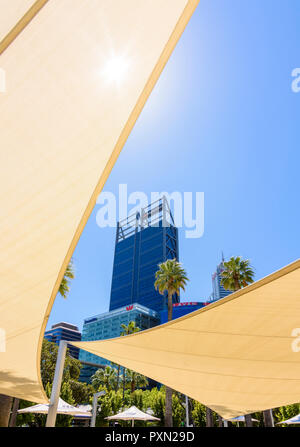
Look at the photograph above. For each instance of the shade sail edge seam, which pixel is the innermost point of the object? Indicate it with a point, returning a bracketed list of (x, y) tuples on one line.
[(21, 24)]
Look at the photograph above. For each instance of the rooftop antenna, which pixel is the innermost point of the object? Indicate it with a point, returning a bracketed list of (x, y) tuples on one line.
[(223, 256)]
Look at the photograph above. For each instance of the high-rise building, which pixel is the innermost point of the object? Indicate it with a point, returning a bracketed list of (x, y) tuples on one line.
[(181, 309), (64, 331), (218, 290), (108, 325), (143, 240)]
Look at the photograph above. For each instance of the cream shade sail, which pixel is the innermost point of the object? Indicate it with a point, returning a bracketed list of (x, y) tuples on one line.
[(236, 356), (12, 12), (77, 75)]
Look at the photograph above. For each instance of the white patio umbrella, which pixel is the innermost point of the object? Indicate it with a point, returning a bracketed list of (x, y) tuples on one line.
[(132, 414), (293, 420), (63, 408), (239, 419)]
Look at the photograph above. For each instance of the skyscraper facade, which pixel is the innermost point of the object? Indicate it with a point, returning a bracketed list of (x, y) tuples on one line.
[(218, 290), (143, 240), (181, 309), (108, 325), (64, 331)]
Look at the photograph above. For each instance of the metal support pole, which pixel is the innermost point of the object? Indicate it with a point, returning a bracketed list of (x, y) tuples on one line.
[(95, 402), (187, 419), (94, 413), (59, 368)]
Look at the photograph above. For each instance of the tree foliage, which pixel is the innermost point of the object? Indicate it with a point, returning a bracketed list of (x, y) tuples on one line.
[(237, 273), (48, 363), (64, 287)]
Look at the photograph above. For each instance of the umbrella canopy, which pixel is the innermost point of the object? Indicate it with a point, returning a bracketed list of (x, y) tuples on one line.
[(77, 75), (236, 356), (63, 408), (241, 419), (132, 413), (293, 420)]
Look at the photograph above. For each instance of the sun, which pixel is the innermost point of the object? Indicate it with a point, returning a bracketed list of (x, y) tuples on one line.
[(116, 69)]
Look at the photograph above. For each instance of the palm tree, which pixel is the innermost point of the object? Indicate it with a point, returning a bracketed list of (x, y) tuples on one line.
[(170, 278), (6, 401), (106, 377), (64, 287), (136, 380), (5, 407), (131, 328), (237, 273)]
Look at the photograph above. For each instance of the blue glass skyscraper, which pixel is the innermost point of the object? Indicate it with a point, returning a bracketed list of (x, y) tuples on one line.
[(64, 331), (143, 241)]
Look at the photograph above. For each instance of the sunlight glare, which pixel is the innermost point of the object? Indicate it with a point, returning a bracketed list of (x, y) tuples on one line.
[(116, 69)]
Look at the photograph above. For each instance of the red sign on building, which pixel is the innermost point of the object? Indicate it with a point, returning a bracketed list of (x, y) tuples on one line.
[(187, 303)]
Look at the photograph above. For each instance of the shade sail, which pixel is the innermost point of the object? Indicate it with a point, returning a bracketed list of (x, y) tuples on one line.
[(63, 408), (132, 414), (65, 115), (235, 356), (11, 13)]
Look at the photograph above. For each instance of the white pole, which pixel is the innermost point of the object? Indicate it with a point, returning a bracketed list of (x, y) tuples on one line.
[(225, 423), (187, 419), (95, 404), (59, 368), (95, 401)]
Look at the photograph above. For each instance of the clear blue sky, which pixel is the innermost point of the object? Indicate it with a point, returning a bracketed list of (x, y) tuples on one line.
[(224, 120)]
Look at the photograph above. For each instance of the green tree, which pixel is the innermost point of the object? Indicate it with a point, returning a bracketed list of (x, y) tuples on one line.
[(48, 362), (286, 412), (64, 287), (199, 414), (82, 392), (156, 400), (70, 376), (131, 328), (170, 278), (106, 377), (178, 409), (237, 273), (136, 380)]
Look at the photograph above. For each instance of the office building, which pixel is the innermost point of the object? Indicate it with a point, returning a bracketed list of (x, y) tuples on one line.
[(108, 325), (64, 331), (218, 290), (181, 309), (143, 240)]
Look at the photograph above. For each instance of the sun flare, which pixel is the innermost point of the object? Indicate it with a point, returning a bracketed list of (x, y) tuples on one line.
[(116, 69)]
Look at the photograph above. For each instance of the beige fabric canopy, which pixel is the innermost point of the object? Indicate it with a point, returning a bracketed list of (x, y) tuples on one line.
[(66, 113), (235, 356)]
